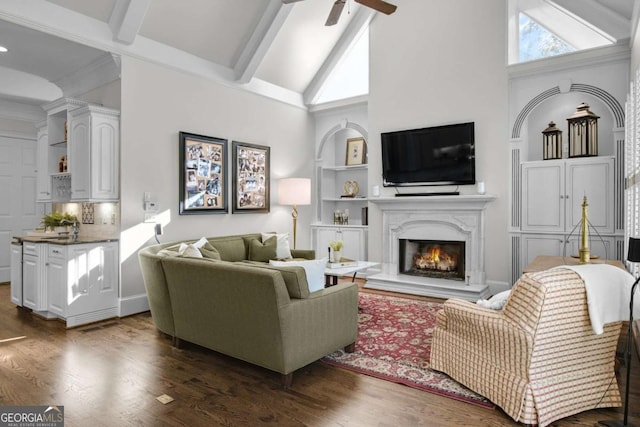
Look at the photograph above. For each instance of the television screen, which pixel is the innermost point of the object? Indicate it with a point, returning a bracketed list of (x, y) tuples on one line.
[(439, 155)]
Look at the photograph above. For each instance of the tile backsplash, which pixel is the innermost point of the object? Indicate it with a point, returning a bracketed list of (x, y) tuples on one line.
[(96, 219)]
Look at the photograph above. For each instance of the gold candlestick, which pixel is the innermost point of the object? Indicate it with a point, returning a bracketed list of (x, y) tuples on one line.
[(585, 254)]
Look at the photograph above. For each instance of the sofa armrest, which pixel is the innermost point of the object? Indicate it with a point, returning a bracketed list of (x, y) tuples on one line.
[(303, 253), (324, 322)]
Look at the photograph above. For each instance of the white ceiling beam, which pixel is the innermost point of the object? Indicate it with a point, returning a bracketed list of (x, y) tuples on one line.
[(261, 40), (127, 18), (359, 23)]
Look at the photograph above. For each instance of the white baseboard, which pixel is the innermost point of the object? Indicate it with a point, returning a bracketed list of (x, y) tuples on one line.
[(133, 305)]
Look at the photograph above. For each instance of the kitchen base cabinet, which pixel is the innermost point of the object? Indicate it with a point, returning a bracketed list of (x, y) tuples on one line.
[(77, 282)]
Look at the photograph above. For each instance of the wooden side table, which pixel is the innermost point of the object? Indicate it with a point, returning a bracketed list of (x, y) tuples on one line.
[(545, 262)]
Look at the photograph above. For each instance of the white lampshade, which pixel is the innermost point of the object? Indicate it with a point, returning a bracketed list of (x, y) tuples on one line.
[(294, 191)]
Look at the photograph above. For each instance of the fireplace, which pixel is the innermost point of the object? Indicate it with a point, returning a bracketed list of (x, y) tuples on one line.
[(454, 224), (441, 259)]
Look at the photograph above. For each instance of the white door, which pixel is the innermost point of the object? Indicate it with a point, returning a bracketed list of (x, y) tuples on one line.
[(19, 211), (543, 196)]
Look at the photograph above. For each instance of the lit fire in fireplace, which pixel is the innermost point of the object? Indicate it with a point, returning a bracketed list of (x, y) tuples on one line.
[(435, 258)]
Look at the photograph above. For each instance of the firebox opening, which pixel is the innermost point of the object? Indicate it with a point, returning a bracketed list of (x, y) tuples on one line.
[(441, 259)]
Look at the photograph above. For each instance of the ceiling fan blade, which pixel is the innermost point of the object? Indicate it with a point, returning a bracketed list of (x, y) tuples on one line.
[(290, 1), (379, 5), (335, 13)]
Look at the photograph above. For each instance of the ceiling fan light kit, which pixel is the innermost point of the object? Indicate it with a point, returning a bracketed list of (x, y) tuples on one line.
[(335, 12)]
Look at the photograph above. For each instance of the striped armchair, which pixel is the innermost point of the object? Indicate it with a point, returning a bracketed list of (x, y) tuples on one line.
[(538, 358)]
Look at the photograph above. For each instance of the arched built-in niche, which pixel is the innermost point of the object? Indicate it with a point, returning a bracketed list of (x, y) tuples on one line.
[(557, 109), (612, 104), (331, 152)]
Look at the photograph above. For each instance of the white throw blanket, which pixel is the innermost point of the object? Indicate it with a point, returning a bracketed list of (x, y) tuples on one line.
[(608, 291)]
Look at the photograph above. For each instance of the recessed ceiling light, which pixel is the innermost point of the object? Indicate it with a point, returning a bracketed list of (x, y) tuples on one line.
[(3, 49)]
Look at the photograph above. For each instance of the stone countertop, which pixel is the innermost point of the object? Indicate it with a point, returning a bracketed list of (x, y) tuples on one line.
[(56, 240)]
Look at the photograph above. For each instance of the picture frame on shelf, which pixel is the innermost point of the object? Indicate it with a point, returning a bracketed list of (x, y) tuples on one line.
[(251, 171), (356, 152), (203, 174)]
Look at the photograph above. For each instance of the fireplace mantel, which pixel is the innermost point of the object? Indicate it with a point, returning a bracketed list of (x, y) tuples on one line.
[(455, 218)]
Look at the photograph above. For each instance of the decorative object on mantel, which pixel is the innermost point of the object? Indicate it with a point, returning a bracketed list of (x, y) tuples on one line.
[(356, 152), (583, 132), (350, 188), (551, 142), (294, 192)]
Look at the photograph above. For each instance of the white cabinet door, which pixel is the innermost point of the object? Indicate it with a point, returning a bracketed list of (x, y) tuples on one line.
[(57, 279), (16, 274), (92, 284), (43, 177), (542, 244), (79, 157), (30, 276), (104, 157), (93, 153), (543, 196), (354, 239), (592, 178)]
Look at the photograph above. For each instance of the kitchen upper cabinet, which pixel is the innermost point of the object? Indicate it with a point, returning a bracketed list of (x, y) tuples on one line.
[(94, 153), (43, 176)]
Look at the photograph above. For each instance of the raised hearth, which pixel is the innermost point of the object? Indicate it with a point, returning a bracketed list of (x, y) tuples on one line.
[(429, 219)]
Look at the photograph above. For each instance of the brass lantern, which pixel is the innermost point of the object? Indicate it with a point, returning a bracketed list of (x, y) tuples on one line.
[(551, 142), (583, 132)]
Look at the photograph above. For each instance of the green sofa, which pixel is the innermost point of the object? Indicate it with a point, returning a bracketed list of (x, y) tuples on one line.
[(249, 310)]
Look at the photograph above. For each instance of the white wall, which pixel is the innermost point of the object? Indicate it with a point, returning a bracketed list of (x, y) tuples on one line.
[(157, 103), (440, 62)]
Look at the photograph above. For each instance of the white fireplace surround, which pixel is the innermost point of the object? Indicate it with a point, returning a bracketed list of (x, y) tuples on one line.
[(455, 218)]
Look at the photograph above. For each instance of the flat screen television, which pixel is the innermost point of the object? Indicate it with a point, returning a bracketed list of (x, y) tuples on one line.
[(439, 155)]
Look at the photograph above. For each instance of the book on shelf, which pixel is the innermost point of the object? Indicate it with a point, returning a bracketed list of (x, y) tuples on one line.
[(344, 262)]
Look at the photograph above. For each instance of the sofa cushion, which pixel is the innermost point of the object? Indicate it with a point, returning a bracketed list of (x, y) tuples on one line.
[(230, 248), (283, 250), (314, 271), (295, 278), (198, 249), (262, 251)]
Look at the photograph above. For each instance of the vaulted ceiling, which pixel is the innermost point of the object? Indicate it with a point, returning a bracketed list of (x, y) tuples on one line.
[(284, 51), (279, 50)]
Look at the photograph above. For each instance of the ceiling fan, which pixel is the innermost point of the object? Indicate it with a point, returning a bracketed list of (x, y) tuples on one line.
[(336, 10)]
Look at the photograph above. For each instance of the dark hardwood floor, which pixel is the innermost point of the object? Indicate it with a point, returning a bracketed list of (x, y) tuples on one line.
[(110, 373)]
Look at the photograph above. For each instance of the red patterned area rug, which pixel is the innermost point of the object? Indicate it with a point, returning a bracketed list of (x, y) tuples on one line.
[(394, 343)]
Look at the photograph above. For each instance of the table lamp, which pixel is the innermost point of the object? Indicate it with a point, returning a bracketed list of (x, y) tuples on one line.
[(633, 255), (294, 192)]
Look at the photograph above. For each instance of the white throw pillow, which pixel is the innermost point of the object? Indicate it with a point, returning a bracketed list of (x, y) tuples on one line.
[(190, 250), (282, 246), (314, 270), (496, 302)]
